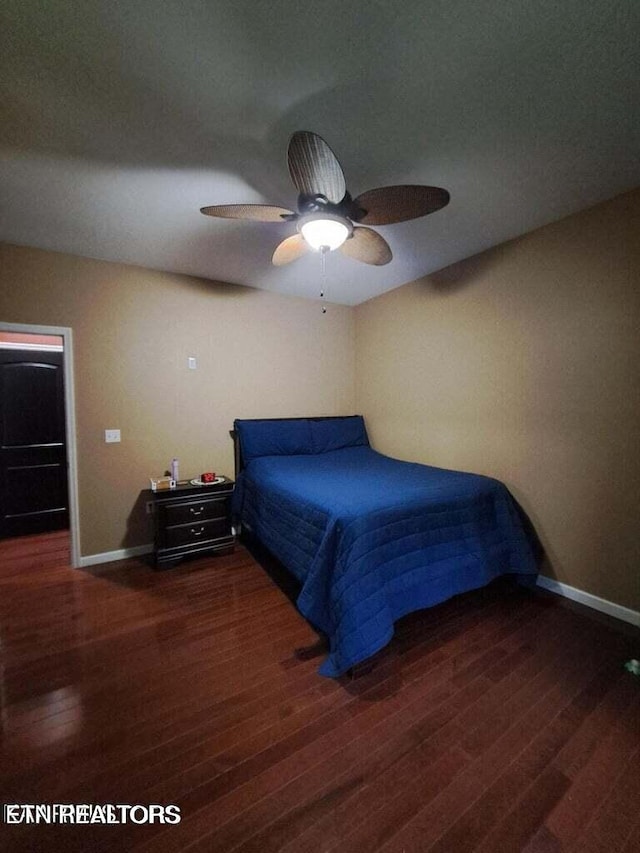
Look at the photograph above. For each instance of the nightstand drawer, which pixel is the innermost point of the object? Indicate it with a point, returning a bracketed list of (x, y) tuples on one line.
[(198, 510), (197, 531)]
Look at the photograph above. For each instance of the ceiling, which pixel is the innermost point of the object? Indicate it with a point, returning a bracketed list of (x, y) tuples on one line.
[(121, 119)]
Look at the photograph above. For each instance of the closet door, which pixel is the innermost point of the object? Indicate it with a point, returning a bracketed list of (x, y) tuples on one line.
[(33, 454)]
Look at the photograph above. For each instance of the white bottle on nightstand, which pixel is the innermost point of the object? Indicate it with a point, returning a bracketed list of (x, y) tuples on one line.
[(174, 469)]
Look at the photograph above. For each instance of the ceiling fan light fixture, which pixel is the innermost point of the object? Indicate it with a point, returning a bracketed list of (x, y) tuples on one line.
[(328, 218), (322, 230)]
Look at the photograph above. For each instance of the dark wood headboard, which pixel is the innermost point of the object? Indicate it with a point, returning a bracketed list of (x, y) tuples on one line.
[(238, 461)]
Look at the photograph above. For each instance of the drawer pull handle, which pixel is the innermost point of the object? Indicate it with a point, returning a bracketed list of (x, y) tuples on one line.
[(195, 511), (195, 532)]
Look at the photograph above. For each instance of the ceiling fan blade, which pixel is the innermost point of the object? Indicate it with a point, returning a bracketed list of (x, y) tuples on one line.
[(314, 168), (258, 212), (367, 246), (387, 205), (289, 250)]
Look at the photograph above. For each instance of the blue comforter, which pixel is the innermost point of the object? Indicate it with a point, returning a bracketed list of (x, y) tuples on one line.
[(372, 538)]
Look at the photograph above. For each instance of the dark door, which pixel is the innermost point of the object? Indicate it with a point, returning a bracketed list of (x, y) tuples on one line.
[(33, 457)]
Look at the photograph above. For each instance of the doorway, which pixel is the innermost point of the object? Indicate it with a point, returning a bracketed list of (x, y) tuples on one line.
[(37, 433)]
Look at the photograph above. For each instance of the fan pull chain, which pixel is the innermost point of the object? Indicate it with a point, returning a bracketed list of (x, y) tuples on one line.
[(323, 287)]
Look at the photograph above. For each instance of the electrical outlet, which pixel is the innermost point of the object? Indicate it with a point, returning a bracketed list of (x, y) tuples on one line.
[(112, 436), (150, 506)]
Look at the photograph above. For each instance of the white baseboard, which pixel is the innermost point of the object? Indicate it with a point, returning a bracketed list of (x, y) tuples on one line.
[(593, 601), (111, 556)]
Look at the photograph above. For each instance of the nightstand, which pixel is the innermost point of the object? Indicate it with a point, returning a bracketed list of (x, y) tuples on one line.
[(191, 521)]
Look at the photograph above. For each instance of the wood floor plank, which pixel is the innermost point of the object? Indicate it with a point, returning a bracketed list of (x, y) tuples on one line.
[(512, 833), (479, 728), (632, 844), (399, 777), (249, 793), (612, 823), (478, 786), (593, 783), (542, 841), (577, 752), (384, 824), (461, 675)]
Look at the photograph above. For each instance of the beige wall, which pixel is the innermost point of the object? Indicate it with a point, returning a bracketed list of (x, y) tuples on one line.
[(524, 363), (259, 355)]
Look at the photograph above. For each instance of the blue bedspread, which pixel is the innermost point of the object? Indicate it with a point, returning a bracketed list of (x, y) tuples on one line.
[(372, 538)]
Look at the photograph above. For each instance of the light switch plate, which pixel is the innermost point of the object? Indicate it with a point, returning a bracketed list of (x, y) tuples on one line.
[(112, 436)]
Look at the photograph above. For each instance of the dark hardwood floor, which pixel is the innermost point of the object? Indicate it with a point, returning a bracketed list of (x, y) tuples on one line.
[(502, 720)]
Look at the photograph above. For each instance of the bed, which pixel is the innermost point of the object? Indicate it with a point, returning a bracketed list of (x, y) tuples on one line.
[(368, 537)]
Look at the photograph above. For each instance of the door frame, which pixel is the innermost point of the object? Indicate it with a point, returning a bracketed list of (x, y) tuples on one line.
[(70, 423)]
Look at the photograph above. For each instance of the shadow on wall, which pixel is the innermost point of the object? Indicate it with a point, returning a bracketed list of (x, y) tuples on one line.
[(461, 275), (543, 553), (139, 525), (539, 552)]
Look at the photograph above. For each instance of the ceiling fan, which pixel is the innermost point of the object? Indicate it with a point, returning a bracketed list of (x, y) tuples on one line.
[(327, 213)]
